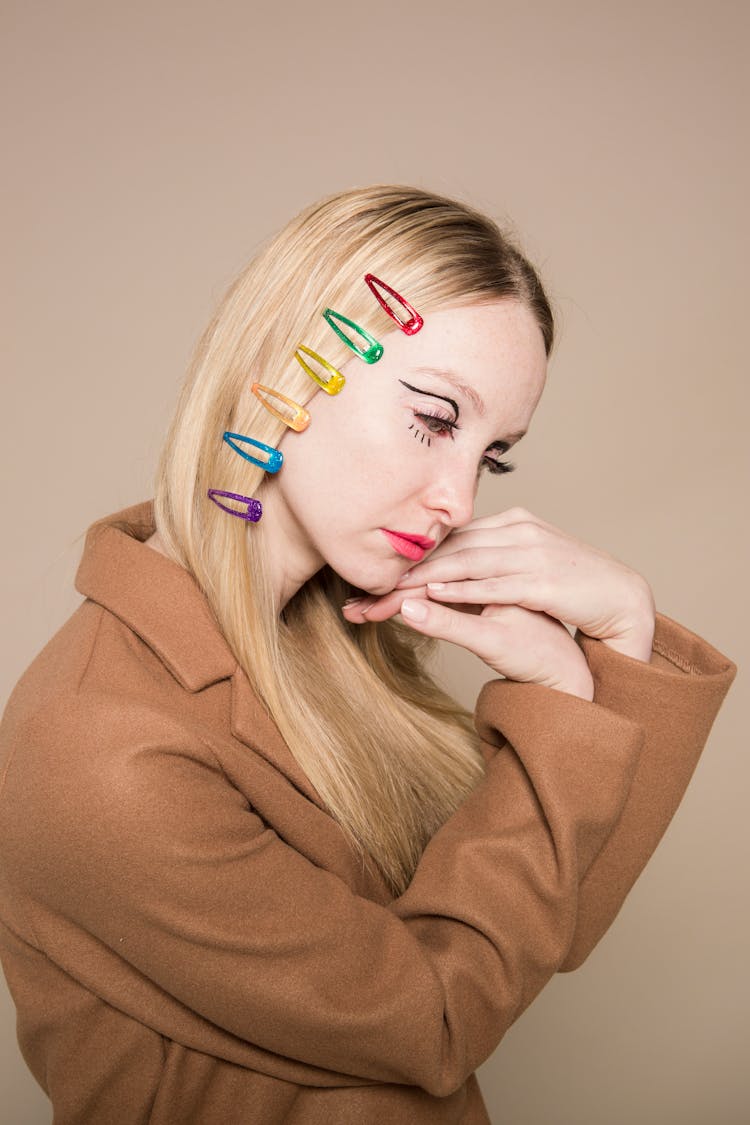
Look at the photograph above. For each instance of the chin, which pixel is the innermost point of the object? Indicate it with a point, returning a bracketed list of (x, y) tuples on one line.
[(377, 589), (369, 583)]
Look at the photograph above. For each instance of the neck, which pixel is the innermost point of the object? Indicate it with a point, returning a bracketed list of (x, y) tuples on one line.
[(292, 559)]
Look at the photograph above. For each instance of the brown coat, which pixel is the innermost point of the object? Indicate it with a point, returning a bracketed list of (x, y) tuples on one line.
[(186, 934)]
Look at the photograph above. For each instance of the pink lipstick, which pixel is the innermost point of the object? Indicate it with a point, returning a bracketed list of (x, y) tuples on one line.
[(412, 547)]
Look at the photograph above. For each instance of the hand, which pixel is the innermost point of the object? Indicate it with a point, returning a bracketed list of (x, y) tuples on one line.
[(516, 559), (517, 643)]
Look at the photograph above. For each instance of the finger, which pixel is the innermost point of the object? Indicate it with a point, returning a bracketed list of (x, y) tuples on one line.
[(519, 533), (470, 562), (510, 590), (465, 629), (502, 519), (379, 609), (519, 525), (352, 610)]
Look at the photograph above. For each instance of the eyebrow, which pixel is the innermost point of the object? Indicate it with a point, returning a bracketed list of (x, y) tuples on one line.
[(432, 394), (456, 382), (474, 398)]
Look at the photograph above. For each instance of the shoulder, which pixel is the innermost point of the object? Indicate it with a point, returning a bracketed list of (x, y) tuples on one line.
[(96, 723), (100, 783)]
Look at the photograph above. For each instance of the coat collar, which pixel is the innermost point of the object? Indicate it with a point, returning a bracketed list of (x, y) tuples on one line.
[(157, 599), (163, 605)]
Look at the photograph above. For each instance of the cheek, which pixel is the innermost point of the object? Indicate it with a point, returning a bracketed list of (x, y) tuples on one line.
[(353, 454), (322, 474)]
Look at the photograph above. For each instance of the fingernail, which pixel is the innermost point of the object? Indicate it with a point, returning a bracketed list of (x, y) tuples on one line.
[(436, 585), (414, 609), (352, 601)]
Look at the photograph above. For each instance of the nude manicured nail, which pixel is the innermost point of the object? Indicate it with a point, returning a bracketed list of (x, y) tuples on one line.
[(413, 609)]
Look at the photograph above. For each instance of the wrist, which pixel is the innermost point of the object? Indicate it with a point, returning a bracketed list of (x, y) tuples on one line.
[(637, 638), (583, 687)]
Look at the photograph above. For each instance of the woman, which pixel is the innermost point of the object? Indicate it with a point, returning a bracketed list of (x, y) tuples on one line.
[(256, 866)]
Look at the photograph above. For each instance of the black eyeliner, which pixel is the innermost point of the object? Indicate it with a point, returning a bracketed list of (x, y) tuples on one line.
[(431, 394)]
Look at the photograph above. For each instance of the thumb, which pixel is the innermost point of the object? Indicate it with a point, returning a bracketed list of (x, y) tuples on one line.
[(436, 620)]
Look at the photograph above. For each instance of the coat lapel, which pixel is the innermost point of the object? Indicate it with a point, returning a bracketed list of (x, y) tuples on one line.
[(160, 602)]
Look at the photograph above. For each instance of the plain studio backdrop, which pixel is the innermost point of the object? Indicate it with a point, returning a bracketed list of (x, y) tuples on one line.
[(151, 146)]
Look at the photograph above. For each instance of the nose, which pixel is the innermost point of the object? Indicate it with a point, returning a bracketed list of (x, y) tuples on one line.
[(450, 494)]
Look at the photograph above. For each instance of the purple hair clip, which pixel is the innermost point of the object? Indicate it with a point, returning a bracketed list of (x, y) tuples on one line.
[(254, 507)]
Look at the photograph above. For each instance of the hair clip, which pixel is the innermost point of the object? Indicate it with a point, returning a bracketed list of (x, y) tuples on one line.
[(275, 456), (415, 321), (254, 507), (335, 381), (370, 354), (301, 418)]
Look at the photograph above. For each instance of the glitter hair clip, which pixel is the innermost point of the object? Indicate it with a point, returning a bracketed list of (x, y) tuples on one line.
[(414, 322), (275, 457), (253, 511), (335, 381), (370, 354), (300, 419)]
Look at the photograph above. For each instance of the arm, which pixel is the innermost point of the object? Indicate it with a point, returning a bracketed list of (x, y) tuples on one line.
[(528, 577), (129, 849), (675, 700)]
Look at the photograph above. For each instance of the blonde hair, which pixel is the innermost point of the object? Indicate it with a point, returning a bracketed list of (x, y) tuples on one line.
[(390, 754)]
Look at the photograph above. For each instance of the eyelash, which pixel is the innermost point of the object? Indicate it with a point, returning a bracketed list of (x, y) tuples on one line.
[(493, 466), (425, 417), (488, 463)]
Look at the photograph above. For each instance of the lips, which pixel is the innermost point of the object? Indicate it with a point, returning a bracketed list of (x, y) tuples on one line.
[(412, 547)]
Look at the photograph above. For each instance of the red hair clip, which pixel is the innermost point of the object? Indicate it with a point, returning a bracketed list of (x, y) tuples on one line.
[(410, 326)]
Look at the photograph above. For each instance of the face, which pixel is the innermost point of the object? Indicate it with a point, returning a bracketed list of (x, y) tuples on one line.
[(402, 446)]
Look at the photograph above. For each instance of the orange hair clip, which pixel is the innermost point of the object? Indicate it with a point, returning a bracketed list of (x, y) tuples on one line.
[(300, 419)]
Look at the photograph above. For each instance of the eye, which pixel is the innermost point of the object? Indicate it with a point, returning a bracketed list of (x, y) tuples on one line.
[(437, 425), (493, 466)]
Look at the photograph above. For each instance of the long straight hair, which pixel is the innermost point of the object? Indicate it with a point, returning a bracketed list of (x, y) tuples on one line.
[(389, 753)]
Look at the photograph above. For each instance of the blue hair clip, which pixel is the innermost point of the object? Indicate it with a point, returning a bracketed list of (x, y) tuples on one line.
[(275, 456), (370, 354)]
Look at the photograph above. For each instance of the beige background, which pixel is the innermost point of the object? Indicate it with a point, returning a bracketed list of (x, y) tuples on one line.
[(151, 145)]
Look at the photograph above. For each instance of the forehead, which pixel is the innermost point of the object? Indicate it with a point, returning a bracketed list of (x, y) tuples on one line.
[(492, 353), (480, 331)]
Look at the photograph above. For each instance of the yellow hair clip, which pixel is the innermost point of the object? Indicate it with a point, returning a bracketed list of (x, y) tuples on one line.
[(299, 421), (335, 381)]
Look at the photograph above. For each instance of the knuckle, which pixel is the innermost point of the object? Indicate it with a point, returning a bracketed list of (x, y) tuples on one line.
[(494, 587), (531, 533), (540, 591), (507, 615), (445, 621), (519, 513), (643, 595), (472, 557), (540, 561), (515, 614)]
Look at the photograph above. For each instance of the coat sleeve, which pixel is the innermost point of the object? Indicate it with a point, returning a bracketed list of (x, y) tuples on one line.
[(144, 873), (675, 700)]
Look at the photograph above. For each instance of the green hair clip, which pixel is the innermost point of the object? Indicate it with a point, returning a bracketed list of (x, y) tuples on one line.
[(370, 354)]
